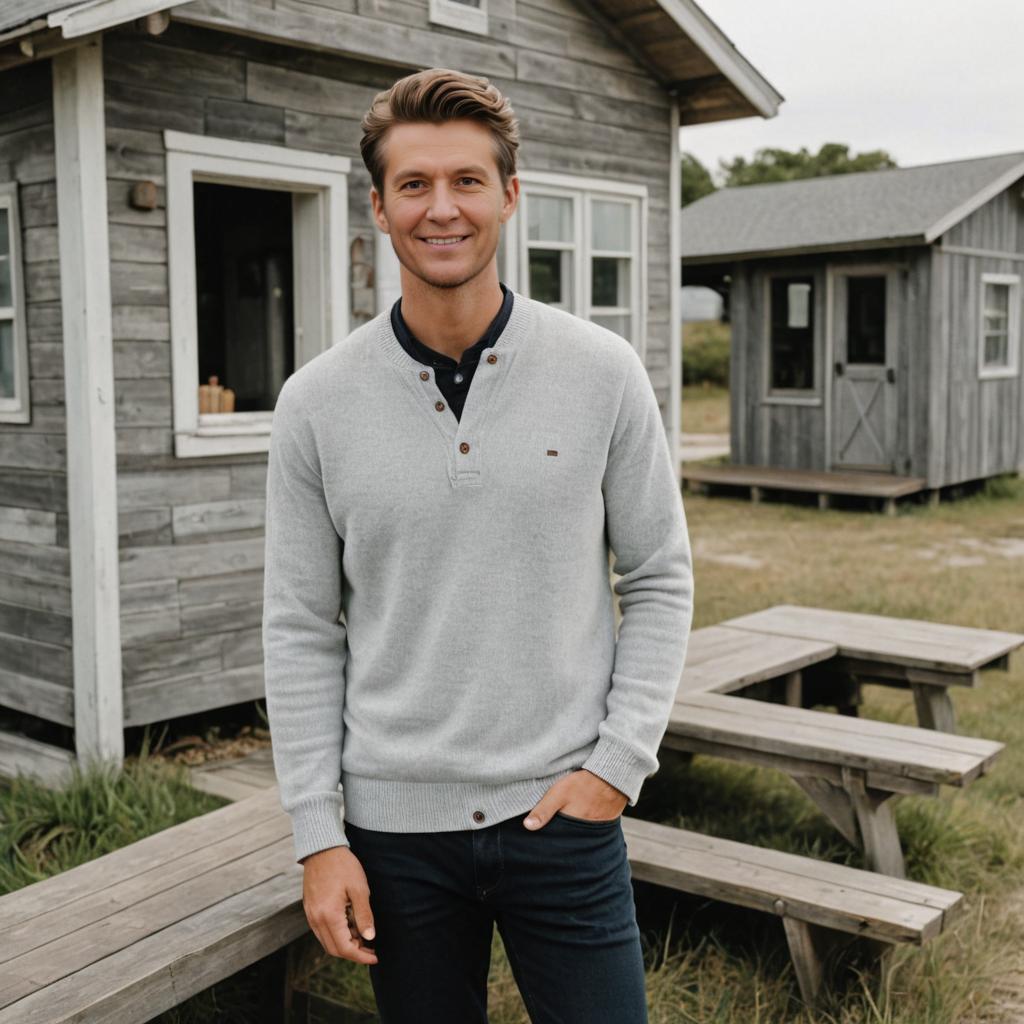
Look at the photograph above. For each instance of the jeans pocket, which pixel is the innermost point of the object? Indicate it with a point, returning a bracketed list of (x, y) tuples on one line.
[(589, 822)]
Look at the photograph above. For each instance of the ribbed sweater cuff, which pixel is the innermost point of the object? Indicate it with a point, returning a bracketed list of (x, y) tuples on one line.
[(317, 824), (620, 766)]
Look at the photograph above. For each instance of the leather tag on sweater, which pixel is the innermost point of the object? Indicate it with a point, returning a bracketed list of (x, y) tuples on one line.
[(552, 451)]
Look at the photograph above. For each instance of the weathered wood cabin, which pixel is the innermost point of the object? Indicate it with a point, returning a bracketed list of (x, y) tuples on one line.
[(182, 199), (876, 319)]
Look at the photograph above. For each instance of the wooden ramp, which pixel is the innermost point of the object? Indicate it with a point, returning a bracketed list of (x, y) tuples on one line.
[(886, 487)]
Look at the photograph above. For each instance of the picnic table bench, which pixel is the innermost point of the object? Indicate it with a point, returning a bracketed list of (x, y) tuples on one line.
[(136, 931), (850, 767), (927, 657), (823, 906)]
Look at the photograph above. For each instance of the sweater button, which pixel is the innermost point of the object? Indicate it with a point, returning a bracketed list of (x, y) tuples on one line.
[(424, 375), (463, 447), (492, 358), (478, 816), (439, 406)]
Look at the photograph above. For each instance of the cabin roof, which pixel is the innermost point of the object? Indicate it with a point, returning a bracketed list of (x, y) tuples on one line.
[(867, 209), (682, 48)]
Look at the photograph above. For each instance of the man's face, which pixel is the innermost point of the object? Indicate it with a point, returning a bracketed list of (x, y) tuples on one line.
[(441, 182)]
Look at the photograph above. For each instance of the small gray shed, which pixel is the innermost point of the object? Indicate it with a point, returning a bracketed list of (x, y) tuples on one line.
[(876, 318), (182, 197)]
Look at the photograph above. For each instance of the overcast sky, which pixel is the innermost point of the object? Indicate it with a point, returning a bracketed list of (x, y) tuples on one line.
[(926, 80)]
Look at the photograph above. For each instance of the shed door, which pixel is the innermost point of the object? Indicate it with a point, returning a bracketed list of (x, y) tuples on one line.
[(863, 370)]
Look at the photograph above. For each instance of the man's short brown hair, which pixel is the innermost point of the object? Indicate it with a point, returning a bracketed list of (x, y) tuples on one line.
[(438, 95)]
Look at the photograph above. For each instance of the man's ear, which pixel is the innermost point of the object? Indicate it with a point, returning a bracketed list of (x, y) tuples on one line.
[(510, 198), (377, 206)]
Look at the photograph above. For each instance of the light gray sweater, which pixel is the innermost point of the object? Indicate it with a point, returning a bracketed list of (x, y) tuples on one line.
[(438, 620)]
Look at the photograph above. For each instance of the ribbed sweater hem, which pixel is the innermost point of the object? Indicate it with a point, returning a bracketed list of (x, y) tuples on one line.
[(387, 805)]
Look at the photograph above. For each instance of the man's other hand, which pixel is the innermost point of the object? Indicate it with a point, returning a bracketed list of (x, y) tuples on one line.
[(336, 898)]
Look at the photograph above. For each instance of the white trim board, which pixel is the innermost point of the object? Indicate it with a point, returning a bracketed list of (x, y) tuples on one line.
[(319, 186), (79, 133)]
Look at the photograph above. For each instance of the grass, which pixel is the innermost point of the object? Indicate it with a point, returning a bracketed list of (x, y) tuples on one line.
[(709, 963)]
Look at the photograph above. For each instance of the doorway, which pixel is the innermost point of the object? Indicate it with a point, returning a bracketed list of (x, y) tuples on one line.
[(863, 406)]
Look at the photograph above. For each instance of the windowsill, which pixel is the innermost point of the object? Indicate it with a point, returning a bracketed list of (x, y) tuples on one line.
[(225, 433), (810, 399), (998, 374)]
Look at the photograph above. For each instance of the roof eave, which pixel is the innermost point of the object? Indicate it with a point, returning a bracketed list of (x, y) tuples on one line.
[(763, 97), (804, 250), (982, 196)]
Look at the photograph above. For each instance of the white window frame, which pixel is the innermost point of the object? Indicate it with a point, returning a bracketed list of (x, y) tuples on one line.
[(583, 191), (453, 14), (1012, 369), (319, 184), (16, 409)]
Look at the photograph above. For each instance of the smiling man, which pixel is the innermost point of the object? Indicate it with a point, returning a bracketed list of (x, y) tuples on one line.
[(456, 727)]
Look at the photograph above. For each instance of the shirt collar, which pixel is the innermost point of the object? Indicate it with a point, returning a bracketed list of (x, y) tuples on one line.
[(425, 354)]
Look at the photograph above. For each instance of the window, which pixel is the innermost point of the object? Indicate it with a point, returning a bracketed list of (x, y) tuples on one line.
[(790, 333), (468, 15), (580, 245), (257, 239), (999, 328), (14, 392)]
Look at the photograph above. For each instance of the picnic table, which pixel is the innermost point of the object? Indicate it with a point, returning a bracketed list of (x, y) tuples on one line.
[(850, 767), (927, 657)]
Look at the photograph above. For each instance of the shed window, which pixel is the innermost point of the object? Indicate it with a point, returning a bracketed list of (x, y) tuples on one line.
[(999, 332), (467, 15), (258, 281), (578, 244), (14, 393), (791, 345)]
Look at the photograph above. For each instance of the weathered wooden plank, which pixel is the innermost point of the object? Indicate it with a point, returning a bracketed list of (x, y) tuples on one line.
[(250, 122), (216, 517), (143, 402), (139, 62), (723, 659), (140, 323), (162, 698), (191, 560), (310, 93), (934, 645), (22, 755), (135, 359), (144, 442), (138, 284), (738, 724), (52, 700), (27, 525), (33, 451), (133, 106), (140, 488)]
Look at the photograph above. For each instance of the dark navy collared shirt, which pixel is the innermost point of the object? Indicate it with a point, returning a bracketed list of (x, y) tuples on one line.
[(453, 378)]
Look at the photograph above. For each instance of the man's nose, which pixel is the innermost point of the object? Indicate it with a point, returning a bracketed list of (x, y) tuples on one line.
[(443, 205)]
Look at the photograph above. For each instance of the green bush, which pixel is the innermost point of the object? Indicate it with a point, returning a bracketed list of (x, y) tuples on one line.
[(706, 353)]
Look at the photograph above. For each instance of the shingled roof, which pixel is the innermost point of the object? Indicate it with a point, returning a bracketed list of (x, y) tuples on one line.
[(901, 206)]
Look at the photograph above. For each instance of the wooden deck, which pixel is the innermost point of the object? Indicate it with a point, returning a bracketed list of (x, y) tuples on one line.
[(886, 487)]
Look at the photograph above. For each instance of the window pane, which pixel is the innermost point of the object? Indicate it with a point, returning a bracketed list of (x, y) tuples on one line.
[(618, 324), (997, 301), (5, 258), (997, 350), (865, 319), (610, 225), (244, 291), (792, 348), (609, 284), (549, 218), (551, 277), (6, 359)]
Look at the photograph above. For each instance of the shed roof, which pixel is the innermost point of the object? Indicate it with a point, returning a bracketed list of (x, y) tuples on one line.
[(685, 51), (867, 209)]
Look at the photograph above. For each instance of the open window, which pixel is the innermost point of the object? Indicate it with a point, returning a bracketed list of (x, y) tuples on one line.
[(999, 326), (580, 244), (258, 281), (14, 387)]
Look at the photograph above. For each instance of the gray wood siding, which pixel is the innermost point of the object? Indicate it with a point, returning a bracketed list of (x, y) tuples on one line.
[(35, 568), (998, 225), (795, 436), (980, 419), (191, 530)]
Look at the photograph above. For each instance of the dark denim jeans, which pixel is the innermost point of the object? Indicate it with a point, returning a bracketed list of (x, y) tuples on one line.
[(560, 896)]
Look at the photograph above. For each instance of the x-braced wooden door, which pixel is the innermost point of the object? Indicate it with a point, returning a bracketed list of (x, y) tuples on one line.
[(863, 408)]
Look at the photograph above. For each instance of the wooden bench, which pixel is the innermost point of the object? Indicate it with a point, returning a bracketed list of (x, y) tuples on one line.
[(823, 906), (927, 657), (850, 767), (141, 929), (130, 934)]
